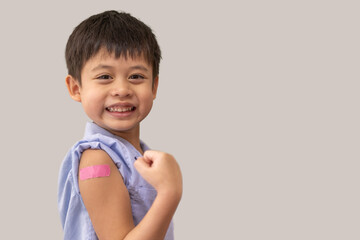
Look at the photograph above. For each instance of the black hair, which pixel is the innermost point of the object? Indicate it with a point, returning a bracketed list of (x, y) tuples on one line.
[(118, 33)]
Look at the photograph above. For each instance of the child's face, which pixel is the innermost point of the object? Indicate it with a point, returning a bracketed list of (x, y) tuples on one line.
[(117, 94)]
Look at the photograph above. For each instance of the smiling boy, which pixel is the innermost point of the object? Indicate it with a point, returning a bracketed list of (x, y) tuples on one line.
[(111, 186), (116, 93)]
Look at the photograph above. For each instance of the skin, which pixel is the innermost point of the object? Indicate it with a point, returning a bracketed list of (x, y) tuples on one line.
[(126, 84)]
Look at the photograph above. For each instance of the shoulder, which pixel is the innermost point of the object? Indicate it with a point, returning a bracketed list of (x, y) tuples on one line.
[(94, 157), (97, 149)]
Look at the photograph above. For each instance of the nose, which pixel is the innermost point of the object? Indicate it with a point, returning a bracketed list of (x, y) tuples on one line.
[(121, 88)]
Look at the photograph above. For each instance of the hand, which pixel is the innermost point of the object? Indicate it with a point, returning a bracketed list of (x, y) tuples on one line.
[(162, 171)]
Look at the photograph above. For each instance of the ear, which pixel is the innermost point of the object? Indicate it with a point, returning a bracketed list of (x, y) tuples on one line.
[(73, 87), (155, 86)]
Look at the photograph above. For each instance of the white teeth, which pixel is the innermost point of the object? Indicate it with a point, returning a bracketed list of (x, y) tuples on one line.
[(118, 109)]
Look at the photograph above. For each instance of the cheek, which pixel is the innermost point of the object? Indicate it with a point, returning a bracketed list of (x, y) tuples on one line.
[(94, 95), (92, 101), (147, 101)]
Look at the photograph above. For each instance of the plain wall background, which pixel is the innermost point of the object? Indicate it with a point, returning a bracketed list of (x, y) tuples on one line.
[(258, 101)]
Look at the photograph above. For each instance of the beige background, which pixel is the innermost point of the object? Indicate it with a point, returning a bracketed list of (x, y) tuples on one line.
[(258, 100)]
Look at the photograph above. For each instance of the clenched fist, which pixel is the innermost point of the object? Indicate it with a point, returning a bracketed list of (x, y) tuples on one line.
[(162, 171)]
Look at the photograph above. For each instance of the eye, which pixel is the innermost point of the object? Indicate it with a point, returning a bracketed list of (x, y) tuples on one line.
[(104, 77), (136, 77)]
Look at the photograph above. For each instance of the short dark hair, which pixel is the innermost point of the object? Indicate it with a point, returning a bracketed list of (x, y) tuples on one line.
[(118, 33)]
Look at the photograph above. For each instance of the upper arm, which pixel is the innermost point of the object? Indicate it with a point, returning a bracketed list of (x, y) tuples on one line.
[(106, 198)]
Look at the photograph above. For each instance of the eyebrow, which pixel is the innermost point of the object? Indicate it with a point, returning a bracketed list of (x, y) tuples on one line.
[(135, 67), (139, 67), (101, 66)]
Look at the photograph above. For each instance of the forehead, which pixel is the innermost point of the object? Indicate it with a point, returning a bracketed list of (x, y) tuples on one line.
[(105, 57)]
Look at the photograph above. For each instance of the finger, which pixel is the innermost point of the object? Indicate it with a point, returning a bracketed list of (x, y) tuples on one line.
[(146, 159), (141, 164), (151, 154)]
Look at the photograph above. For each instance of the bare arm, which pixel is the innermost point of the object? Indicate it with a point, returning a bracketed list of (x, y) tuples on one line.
[(108, 203)]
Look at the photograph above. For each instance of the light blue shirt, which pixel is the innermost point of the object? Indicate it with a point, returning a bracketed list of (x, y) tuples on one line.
[(74, 216)]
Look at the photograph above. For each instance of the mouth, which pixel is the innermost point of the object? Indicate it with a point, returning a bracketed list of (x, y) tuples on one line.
[(118, 109)]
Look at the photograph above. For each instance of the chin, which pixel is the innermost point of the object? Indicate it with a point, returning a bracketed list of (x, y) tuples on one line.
[(122, 128)]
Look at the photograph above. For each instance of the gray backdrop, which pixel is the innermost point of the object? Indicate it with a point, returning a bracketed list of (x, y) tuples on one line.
[(258, 101)]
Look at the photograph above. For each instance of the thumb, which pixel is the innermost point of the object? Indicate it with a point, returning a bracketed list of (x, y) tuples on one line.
[(150, 155), (141, 164)]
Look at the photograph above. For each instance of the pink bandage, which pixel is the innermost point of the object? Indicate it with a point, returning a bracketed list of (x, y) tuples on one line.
[(94, 172)]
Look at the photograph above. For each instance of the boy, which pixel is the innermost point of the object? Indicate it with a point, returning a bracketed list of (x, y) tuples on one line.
[(111, 186)]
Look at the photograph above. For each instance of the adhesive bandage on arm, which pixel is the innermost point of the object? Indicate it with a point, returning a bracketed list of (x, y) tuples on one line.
[(95, 171)]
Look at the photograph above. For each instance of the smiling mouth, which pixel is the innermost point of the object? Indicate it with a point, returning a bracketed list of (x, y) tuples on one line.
[(120, 109)]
